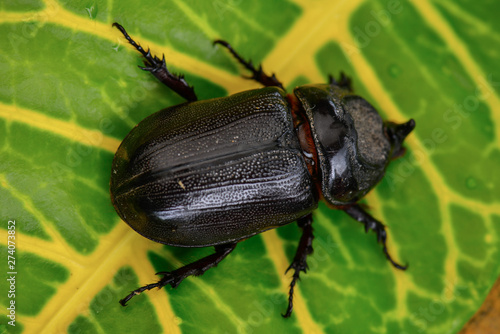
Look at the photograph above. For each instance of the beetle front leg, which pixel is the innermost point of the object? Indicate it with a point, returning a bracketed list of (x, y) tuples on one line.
[(197, 268), (356, 212), (299, 262), (158, 68), (257, 74), (344, 81)]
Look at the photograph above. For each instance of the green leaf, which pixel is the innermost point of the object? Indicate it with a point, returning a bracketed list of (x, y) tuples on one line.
[(71, 91)]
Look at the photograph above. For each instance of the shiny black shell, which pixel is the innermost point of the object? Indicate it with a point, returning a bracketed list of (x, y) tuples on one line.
[(214, 171), (351, 141)]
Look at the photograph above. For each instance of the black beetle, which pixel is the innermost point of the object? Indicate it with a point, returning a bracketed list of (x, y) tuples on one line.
[(215, 172)]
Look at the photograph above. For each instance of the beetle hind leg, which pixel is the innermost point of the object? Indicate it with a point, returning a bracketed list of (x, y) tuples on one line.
[(356, 212), (257, 73), (175, 277), (158, 68), (299, 262)]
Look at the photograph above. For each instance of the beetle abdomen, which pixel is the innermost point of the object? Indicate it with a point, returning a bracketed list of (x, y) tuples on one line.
[(213, 171)]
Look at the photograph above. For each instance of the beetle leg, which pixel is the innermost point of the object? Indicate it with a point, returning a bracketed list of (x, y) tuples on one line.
[(257, 74), (197, 268), (344, 81), (299, 262), (158, 68), (356, 212)]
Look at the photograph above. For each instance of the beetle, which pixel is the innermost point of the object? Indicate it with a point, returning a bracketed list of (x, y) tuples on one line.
[(218, 171)]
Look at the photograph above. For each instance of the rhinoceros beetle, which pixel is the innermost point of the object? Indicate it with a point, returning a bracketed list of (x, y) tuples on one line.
[(218, 171)]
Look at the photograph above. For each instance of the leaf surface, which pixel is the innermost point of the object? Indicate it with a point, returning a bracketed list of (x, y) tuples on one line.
[(71, 91)]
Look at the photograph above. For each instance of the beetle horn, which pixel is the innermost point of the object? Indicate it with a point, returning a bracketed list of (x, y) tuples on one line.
[(397, 134), (403, 130)]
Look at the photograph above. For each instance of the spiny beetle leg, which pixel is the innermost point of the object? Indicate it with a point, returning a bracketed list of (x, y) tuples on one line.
[(158, 68), (197, 268), (356, 212), (299, 261), (344, 81), (257, 74)]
